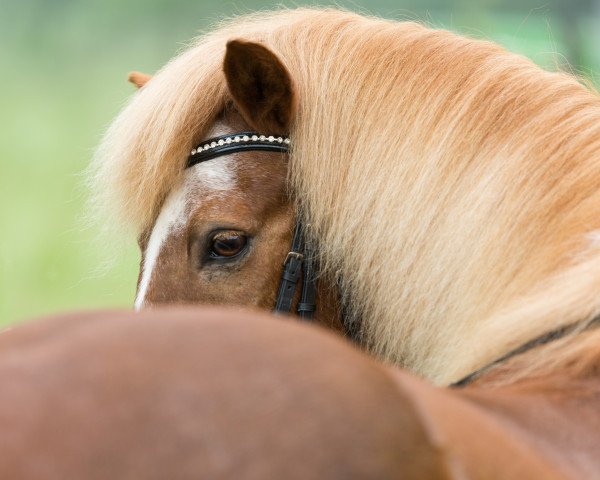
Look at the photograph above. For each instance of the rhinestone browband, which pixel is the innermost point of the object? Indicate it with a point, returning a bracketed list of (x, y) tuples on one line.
[(237, 142)]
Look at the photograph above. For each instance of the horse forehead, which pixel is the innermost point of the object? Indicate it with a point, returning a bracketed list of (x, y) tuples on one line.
[(212, 176), (201, 183)]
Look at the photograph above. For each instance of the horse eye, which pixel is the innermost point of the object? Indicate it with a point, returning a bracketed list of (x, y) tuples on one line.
[(227, 244)]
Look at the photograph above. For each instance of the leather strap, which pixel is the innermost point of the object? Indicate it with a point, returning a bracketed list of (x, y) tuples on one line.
[(237, 142), (544, 339), (292, 269), (308, 298)]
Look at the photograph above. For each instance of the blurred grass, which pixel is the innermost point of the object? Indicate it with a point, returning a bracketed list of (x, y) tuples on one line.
[(63, 79)]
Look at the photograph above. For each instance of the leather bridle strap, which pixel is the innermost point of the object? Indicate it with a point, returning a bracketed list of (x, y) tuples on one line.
[(308, 297), (292, 270), (297, 263), (237, 142), (544, 339)]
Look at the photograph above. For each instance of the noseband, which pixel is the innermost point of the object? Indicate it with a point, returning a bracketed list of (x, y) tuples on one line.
[(297, 262)]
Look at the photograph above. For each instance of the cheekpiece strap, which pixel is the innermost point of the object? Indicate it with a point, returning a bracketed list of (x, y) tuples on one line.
[(237, 142), (292, 269)]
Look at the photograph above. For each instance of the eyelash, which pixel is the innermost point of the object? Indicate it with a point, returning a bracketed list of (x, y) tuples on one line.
[(214, 237)]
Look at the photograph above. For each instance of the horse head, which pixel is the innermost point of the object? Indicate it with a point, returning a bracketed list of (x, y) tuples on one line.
[(223, 233)]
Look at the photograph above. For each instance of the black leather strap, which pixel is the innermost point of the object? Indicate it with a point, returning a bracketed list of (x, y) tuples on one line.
[(547, 337), (292, 269), (308, 298)]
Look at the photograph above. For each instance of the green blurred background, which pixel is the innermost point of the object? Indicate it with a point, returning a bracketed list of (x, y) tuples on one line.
[(63, 68)]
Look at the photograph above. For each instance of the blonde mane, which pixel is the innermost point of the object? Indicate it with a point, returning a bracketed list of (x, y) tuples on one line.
[(451, 185)]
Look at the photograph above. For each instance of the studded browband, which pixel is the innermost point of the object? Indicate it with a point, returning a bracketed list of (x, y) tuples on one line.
[(237, 142), (298, 260)]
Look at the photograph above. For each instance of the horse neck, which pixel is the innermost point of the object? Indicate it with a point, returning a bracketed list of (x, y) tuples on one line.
[(556, 403), (527, 262), (514, 256)]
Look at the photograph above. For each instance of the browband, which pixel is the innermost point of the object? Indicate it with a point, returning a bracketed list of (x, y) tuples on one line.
[(237, 142)]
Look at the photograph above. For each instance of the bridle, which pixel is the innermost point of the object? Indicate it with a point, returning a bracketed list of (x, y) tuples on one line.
[(543, 339), (298, 262)]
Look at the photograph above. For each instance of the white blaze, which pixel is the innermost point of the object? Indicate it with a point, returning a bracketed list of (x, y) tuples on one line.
[(200, 182)]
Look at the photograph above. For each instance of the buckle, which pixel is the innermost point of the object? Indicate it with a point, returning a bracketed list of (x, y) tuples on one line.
[(296, 255)]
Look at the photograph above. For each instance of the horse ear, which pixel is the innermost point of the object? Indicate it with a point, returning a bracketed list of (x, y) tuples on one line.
[(260, 85), (139, 79)]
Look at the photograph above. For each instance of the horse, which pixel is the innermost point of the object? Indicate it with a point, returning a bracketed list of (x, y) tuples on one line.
[(185, 392), (449, 186)]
